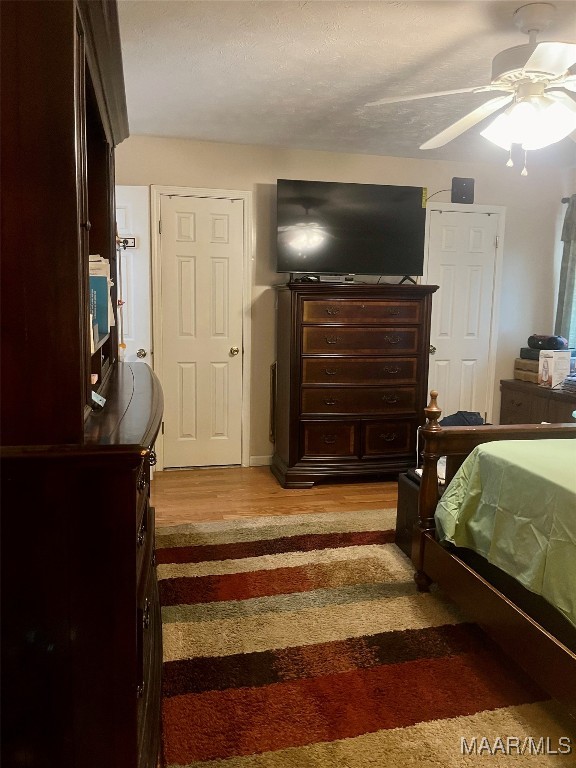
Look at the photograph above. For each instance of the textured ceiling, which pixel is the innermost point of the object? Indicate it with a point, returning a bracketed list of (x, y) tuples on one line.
[(299, 74)]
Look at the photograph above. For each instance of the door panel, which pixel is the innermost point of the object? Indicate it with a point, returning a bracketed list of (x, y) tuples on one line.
[(201, 264), (462, 251), (133, 221)]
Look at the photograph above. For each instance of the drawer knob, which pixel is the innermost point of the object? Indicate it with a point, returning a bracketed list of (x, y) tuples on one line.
[(332, 310), (330, 401), (330, 371), (391, 399), (329, 439), (388, 437), (332, 339), (392, 369), (392, 339)]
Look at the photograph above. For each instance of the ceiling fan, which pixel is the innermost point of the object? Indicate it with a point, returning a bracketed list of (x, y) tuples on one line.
[(534, 79)]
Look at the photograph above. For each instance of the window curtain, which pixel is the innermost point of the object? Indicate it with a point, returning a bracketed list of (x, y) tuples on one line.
[(566, 311)]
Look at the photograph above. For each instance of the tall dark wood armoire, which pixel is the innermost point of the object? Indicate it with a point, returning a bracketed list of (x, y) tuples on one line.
[(81, 631)]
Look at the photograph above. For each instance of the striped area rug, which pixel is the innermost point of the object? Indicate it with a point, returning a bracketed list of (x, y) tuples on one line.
[(300, 642)]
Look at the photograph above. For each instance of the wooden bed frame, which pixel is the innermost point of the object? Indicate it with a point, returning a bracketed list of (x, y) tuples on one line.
[(520, 631)]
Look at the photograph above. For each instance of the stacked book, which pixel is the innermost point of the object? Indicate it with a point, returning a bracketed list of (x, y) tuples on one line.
[(526, 370), (101, 310), (527, 353)]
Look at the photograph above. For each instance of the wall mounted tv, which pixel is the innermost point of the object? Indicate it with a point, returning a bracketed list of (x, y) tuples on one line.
[(336, 228)]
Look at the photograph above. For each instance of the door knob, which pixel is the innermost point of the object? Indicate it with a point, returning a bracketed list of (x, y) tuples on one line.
[(141, 353), (234, 351), (432, 349)]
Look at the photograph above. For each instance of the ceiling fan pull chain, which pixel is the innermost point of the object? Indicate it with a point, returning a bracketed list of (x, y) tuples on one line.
[(510, 162), (525, 170)]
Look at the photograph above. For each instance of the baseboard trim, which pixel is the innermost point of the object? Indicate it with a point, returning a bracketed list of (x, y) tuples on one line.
[(260, 461)]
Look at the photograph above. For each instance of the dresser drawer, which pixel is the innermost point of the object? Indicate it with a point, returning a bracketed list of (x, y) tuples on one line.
[(522, 408), (370, 370), (359, 341), (356, 400), (360, 311), (329, 438), (149, 669), (382, 438)]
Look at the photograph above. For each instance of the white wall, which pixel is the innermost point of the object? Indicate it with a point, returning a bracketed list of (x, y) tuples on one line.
[(533, 207)]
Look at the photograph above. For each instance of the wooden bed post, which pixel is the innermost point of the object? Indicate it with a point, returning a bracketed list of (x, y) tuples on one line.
[(428, 494)]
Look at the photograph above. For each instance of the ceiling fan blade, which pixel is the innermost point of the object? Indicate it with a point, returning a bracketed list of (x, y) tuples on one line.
[(415, 97), (569, 83), (552, 57), (466, 122)]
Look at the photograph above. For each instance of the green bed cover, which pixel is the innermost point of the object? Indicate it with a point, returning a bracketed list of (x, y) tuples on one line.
[(514, 502)]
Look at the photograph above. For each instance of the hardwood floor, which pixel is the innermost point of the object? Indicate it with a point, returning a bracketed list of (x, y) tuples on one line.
[(186, 496)]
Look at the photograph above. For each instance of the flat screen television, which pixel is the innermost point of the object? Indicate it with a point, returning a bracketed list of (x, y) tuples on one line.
[(334, 228)]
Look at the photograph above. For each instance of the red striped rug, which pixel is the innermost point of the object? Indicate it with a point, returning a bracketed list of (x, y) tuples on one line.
[(301, 642)]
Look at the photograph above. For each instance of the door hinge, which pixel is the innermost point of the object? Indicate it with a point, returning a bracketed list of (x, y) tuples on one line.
[(159, 226), (162, 427), (497, 241)]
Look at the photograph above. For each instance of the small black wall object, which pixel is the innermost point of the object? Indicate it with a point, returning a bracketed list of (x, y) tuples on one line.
[(462, 190)]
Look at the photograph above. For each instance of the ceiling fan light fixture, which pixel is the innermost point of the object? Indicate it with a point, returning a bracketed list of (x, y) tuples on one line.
[(534, 123), (554, 125), (499, 132)]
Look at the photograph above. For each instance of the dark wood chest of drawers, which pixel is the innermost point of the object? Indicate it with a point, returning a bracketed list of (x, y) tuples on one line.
[(351, 379)]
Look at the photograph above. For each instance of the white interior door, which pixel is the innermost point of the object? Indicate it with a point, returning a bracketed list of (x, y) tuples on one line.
[(462, 259), (133, 222), (202, 256)]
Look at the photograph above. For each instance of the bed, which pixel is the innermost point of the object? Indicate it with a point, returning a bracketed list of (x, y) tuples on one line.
[(501, 542)]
